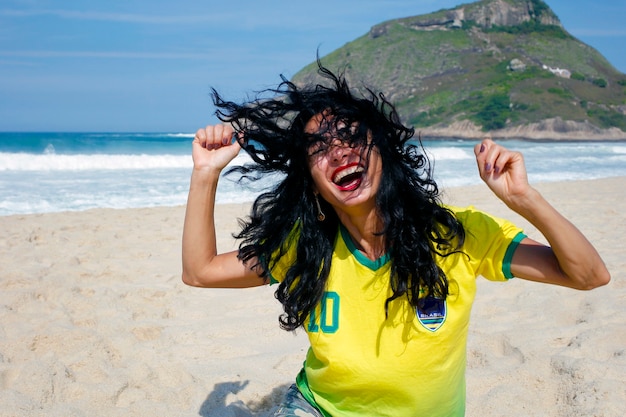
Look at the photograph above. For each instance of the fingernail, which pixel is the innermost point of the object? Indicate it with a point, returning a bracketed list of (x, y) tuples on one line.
[(496, 169), (482, 148), (488, 167)]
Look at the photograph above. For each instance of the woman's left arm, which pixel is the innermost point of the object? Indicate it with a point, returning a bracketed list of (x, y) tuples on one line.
[(570, 260)]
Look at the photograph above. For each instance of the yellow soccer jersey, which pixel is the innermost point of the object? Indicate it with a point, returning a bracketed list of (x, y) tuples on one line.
[(412, 362)]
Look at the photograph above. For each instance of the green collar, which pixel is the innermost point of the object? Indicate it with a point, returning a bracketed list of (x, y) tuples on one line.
[(374, 265)]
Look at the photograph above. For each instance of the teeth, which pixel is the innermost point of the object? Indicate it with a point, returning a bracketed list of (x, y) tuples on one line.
[(348, 171)]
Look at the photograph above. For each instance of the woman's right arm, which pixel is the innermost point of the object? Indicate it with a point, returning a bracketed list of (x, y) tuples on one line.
[(213, 149)]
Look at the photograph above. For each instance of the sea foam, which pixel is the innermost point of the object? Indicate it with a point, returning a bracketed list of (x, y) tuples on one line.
[(51, 161)]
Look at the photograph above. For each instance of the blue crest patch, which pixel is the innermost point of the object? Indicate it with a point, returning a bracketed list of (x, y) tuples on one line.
[(431, 312)]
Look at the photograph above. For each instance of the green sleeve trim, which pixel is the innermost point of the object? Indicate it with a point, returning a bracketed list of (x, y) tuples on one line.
[(508, 256), (272, 279)]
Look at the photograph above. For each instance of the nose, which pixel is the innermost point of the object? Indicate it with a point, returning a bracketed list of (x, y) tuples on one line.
[(338, 149)]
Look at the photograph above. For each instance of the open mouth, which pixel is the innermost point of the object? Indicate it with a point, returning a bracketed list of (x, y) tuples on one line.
[(348, 178)]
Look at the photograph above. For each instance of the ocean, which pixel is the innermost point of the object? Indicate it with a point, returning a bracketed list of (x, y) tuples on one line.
[(53, 172)]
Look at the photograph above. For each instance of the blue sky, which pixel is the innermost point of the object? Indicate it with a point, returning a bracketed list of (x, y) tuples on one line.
[(148, 65)]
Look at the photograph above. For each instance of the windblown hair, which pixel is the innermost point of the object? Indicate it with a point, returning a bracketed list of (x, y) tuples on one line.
[(416, 227)]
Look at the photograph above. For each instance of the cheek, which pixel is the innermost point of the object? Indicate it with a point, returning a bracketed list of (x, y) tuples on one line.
[(376, 176), (376, 165), (316, 171)]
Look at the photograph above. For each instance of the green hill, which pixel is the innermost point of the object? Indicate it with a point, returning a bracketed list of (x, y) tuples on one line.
[(507, 67)]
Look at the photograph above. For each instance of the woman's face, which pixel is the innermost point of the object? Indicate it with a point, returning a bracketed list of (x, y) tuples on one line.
[(346, 174)]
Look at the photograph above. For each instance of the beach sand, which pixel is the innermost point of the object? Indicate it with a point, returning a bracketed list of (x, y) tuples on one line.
[(95, 321)]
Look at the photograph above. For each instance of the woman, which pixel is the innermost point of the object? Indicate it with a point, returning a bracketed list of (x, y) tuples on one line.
[(368, 261)]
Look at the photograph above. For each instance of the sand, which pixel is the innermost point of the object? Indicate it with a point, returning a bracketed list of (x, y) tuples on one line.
[(95, 321)]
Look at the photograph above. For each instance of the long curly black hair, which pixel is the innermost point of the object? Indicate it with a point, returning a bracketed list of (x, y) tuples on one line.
[(416, 226)]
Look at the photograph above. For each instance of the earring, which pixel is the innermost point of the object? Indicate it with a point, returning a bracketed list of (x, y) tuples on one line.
[(320, 214)]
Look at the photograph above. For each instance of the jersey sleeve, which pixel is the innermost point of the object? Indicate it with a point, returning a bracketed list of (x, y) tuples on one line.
[(489, 242)]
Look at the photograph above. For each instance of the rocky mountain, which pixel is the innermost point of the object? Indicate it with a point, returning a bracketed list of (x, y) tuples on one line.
[(505, 68)]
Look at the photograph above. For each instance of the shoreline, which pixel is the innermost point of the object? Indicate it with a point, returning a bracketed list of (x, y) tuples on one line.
[(554, 129), (95, 320), (249, 203), (435, 138)]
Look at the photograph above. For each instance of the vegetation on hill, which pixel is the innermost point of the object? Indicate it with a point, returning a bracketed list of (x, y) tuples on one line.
[(497, 63)]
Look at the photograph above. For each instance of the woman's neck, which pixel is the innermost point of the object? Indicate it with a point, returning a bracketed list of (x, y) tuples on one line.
[(365, 233)]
